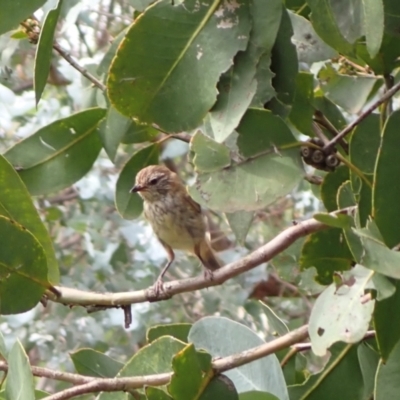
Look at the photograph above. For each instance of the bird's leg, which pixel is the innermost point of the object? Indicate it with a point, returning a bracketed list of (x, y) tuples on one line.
[(158, 284), (208, 274)]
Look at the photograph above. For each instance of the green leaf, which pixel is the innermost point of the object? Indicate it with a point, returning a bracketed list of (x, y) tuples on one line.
[(387, 383), (303, 110), (369, 360), (310, 48), (327, 252), (13, 12), (44, 50), (260, 131), (187, 379), (364, 144), (248, 186), (240, 223), (155, 358), (256, 395), (285, 66), (178, 331), (16, 204), (374, 25), (3, 347), (93, 363), (276, 325), (129, 205), (335, 221), (342, 304), (58, 154), (386, 194), (265, 91), (220, 387), (201, 41), (330, 111), (347, 91), (330, 186), (333, 382), (19, 383), (238, 86), (140, 5), (113, 130), (139, 133), (209, 155), (377, 256), (153, 393), (387, 323), (325, 24), (222, 337), (22, 264)]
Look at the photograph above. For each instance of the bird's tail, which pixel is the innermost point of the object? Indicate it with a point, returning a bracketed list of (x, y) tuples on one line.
[(206, 255)]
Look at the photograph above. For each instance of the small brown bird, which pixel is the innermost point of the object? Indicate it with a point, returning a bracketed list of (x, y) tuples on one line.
[(175, 217)]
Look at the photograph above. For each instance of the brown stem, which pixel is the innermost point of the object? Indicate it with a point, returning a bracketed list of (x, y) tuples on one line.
[(390, 93)]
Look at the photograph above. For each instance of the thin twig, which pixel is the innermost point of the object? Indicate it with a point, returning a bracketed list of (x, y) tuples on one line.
[(390, 93)]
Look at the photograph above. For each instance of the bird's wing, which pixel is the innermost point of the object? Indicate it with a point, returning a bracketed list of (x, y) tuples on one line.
[(192, 204)]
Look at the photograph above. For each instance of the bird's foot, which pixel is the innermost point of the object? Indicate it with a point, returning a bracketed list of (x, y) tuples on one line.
[(158, 287), (208, 274)]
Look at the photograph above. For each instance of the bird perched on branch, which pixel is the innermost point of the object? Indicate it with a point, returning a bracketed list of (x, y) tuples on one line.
[(176, 219)]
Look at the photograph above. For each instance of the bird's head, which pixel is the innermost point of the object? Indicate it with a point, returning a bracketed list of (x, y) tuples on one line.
[(155, 182)]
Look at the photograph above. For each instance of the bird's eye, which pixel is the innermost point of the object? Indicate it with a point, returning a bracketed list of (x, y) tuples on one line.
[(153, 181)]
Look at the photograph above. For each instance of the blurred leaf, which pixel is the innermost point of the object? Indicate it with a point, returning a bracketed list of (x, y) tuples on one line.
[(209, 155), (326, 25), (386, 194), (222, 337), (187, 379), (327, 252), (140, 5), (110, 53), (13, 12), (153, 393), (129, 205), (377, 256), (238, 86), (44, 50), (16, 204), (151, 91), (369, 360), (274, 322), (19, 383), (112, 131), (59, 154), (240, 223), (255, 395), (139, 133), (301, 115), (330, 111), (3, 347), (384, 287), (347, 91), (373, 25), (220, 387), (22, 264), (178, 331), (387, 380), (333, 381), (387, 323), (342, 304), (265, 91), (285, 66), (93, 363), (330, 186), (310, 48)]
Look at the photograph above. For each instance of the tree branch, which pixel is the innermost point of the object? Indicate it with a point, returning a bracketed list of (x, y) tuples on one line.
[(219, 366), (390, 93), (282, 241)]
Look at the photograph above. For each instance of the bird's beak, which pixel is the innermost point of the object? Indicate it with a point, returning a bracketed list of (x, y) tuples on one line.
[(136, 188)]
